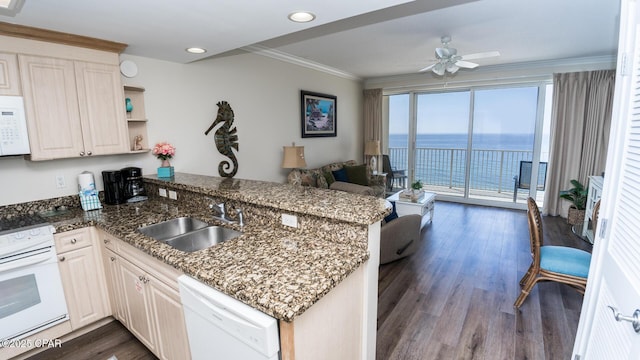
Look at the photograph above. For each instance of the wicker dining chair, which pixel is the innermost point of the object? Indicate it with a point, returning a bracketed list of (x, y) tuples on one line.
[(594, 217), (562, 264)]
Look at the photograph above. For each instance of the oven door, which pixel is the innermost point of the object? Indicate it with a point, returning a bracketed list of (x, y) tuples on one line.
[(31, 296)]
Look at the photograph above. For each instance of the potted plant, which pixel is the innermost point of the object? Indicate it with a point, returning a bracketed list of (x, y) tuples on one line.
[(416, 190), (577, 195)]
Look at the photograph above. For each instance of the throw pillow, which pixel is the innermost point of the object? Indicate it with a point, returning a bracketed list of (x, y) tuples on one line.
[(321, 180), (329, 177), (357, 174), (393, 215), (340, 175), (308, 179)]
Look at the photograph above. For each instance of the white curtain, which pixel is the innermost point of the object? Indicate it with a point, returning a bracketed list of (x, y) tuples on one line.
[(372, 116), (580, 123)]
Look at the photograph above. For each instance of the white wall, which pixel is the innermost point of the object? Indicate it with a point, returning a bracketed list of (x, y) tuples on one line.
[(180, 102)]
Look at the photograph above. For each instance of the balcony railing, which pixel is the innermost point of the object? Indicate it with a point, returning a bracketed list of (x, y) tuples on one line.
[(491, 171)]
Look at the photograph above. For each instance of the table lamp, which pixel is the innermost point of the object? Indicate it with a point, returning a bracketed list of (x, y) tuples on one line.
[(372, 148), (293, 157)]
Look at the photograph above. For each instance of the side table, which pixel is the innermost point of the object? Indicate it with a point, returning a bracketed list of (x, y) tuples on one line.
[(423, 207)]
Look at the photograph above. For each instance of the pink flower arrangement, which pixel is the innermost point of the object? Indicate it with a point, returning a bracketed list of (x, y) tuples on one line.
[(164, 150)]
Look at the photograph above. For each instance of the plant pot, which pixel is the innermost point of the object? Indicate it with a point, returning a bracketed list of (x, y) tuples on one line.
[(575, 217)]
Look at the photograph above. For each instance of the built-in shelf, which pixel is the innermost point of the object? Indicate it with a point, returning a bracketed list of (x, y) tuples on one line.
[(136, 118)]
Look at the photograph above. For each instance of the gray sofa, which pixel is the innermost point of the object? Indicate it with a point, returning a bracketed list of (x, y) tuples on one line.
[(399, 238)]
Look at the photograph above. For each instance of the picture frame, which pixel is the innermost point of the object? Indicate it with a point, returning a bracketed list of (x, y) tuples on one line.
[(318, 114)]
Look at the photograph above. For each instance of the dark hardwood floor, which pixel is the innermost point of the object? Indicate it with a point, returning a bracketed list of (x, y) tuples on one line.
[(109, 340), (453, 299)]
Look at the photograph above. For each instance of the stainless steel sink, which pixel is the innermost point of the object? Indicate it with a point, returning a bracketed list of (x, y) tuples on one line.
[(172, 228), (202, 238)]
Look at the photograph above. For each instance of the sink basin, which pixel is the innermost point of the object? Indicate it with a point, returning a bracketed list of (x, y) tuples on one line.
[(202, 238), (172, 228)]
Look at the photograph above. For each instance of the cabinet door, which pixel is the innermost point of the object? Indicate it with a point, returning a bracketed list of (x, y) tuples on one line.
[(102, 108), (9, 77), (137, 299), (114, 285), (51, 102), (83, 287), (167, 313)]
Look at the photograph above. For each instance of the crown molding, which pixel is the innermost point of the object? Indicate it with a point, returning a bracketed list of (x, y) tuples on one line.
[(279, 55), (32, 33)]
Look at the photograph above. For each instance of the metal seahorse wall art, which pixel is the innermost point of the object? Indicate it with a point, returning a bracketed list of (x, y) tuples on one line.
[(226, 139)]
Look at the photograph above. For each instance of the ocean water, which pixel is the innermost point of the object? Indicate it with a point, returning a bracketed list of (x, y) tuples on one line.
[(521, 142), (441, 159)]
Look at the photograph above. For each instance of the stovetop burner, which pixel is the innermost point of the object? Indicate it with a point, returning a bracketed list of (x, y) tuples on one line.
[(21, 222)]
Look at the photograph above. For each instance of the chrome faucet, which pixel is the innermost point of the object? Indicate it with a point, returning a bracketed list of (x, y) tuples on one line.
[(219, 213), (218, 209), (240, 217)]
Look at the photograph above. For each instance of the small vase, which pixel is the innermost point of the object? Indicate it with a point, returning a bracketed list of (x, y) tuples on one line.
[(128, 105), (165, 163)]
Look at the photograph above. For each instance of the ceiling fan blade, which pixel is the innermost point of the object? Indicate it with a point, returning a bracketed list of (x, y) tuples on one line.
[(482, 55), (427, 68), (466, 64), (442, 53)]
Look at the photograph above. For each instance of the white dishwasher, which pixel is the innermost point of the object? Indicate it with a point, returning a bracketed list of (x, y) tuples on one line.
[(221, 327)]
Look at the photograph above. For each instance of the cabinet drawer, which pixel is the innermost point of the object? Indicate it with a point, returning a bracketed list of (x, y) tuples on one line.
[(71, 240), (108, 241)]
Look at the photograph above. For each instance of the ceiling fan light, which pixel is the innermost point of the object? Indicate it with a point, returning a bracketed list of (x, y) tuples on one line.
[(452, 68), (439, 69)]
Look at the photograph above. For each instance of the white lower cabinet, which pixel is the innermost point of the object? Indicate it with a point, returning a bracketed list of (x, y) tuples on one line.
[(114, 286), (82, 276), (138, 303), (145, 298)]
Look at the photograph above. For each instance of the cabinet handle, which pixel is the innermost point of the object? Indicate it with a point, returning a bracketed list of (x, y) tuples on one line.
[(81, 153), (106, 241), (145, 280), (112, 258), (89, 153), (140, 277), (61, 258), (73, 241)]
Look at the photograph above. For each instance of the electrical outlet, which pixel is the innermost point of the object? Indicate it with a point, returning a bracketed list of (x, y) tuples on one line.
[(60, 182), (173, 195), (290, 220), (162, 192)]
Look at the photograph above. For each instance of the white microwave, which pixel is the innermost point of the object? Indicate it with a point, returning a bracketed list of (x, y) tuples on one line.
[(14, 139)]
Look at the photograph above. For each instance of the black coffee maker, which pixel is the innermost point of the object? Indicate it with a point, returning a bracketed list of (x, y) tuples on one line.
[(113, 187), (132, 184)]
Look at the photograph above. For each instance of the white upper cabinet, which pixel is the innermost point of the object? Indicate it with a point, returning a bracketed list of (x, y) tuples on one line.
[(9, 78), (102, 108), (74, 108)]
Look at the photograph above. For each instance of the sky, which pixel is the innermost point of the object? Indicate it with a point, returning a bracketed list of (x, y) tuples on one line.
[(508, 110)]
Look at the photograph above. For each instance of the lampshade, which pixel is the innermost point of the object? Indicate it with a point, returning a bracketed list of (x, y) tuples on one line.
[(372, 147), (293, 157)]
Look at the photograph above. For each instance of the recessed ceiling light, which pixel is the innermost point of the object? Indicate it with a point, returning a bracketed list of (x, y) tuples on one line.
[(301, 16), (196, 50)]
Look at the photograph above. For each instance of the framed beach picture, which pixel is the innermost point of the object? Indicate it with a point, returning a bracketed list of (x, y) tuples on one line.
[(318, 114)]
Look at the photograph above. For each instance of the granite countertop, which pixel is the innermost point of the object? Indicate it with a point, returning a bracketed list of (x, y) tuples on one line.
[(336, 205), (278, 271)]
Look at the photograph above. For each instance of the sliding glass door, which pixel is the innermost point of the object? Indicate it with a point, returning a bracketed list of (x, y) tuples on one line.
[(481, 144), (504, 122), (442, 140)]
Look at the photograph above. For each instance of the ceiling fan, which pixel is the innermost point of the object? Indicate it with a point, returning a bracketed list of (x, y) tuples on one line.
[(448, 59)]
